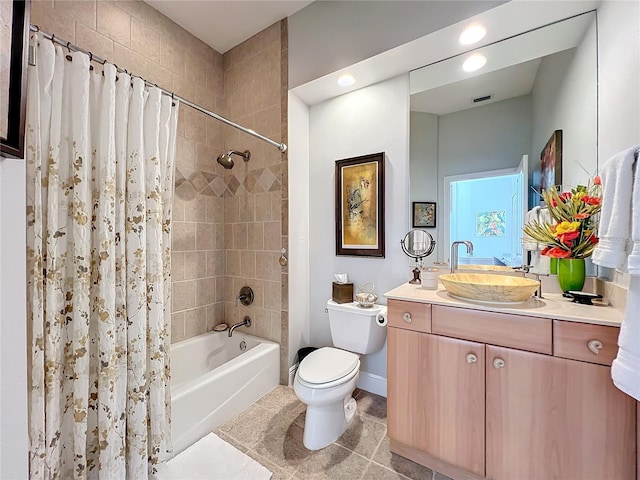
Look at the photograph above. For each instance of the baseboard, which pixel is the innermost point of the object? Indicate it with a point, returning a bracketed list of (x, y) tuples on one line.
[(292, 373), (373, 383)]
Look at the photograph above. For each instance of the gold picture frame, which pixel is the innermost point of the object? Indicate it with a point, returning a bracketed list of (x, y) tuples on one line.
[(359, 204)]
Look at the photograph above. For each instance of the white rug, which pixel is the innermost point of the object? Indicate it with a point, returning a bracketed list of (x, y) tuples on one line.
[(212, 458)]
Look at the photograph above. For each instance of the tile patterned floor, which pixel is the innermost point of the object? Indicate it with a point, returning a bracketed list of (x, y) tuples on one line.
[(270, 432)]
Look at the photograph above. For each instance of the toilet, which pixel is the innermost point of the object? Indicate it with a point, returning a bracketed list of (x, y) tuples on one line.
[(327, 377)]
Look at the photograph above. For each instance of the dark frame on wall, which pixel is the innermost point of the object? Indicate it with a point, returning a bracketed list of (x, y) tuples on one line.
[(359, 206), (551, 162), (12, 141), (424, 214)]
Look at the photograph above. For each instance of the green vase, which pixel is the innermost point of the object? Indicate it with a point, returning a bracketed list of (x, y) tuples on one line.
[(553, 266), (571, 273)]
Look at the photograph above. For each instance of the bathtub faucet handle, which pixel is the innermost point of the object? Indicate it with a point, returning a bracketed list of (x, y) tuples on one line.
[(245, 296)]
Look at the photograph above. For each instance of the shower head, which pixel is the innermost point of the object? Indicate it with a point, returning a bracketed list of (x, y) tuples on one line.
[(227, 162)]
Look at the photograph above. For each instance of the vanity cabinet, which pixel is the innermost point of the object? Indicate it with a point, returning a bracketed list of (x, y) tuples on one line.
[(540, 405), (446, 421)]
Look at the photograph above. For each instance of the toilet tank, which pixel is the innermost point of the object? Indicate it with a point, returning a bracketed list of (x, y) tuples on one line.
[(356, 329)]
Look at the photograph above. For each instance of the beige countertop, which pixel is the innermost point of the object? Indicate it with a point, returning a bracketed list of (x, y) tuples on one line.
[(553, 305)]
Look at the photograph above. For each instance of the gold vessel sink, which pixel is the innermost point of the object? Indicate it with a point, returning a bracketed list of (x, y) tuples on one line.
[(486, 268), (488, 287)]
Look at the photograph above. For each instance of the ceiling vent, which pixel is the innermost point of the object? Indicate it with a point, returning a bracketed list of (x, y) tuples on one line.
[(482, 99)]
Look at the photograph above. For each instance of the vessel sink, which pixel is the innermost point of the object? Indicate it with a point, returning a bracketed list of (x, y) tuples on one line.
[(486, 268), (488, 287)]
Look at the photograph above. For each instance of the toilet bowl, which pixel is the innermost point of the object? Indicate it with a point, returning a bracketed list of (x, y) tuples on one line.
[(325, 381), (326, 378)]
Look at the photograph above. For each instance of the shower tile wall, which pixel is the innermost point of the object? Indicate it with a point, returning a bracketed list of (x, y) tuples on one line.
[(228, 227), (255, 227)]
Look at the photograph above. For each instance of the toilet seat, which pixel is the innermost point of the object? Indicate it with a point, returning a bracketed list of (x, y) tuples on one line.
[(327, 367)]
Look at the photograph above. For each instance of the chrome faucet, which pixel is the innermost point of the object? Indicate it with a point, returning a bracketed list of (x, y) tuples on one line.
[(525, 269), (454, 252), (245, 323)]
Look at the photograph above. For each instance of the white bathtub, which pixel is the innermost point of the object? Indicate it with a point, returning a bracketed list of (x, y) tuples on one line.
[(213, 380)]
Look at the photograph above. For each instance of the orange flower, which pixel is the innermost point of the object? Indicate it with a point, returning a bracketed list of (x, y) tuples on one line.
[(568, 238), (597, 180), (556, 252), (581, 216), (592, 200)]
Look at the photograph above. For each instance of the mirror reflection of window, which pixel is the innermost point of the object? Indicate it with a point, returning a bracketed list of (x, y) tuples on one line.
[(6, 15)]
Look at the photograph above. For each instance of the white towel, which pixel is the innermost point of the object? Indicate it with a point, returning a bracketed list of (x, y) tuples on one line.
[(625, 369), (529, 243), (634, 257), (615, 217)]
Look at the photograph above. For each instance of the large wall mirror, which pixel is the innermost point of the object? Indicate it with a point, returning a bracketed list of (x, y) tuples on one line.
[(476, 138)]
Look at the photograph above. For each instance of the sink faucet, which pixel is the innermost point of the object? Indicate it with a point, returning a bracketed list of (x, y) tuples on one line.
[(454, 252), (246, 322), (525, 269)]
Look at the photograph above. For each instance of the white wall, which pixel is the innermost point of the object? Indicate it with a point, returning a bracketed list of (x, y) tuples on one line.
[(618, 76), (13, 331), (564, 97), (370, 120), (298, 138)]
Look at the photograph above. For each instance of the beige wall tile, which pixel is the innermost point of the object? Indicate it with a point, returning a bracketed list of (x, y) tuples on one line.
[(177, 266), (247, 206), (215, 263), (220, 236), (195, 265), (205, 291), (84, 11), (205, 236), (215, 210), (267, 266), (183, 295), (196, 209), (134, 8), (53, 21), (114, 23), (184, 87), (206, 156), (255, 233), (248, 264), (272, 236), (94, 42), (185, 152), (220, 286), (172, 56), (231, 210), (145, 40), (195, 126), (233, 262), (195, 322), (272, 298), (240, 238), (184, 236), (177, 327), (228, 236)]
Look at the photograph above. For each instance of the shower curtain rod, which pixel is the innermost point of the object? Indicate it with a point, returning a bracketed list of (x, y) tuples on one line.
[(71, 47)]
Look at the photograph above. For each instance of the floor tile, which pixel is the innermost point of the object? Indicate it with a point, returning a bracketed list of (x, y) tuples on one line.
[(250, 426), (278, 473), (332, 463), (363, 436), (404, 466), (378, 472), (372, 406), (439, 476), (283, 446), (280, 399), (231, 441)]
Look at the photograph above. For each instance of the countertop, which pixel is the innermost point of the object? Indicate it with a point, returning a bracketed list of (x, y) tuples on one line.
[(553, 305)]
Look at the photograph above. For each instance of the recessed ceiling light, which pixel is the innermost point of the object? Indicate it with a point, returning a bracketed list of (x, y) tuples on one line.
[(474, 62), (346, 80), (472, 34)]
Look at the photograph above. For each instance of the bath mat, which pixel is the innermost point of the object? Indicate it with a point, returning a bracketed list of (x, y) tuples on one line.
[(212, 458)]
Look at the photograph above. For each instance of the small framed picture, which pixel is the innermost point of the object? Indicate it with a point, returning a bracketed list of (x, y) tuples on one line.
[(424, 214)]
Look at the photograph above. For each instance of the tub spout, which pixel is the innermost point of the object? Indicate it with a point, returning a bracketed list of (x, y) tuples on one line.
[(245, 323)]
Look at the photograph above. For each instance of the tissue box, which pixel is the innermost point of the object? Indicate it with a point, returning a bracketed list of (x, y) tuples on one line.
[(342, 292)]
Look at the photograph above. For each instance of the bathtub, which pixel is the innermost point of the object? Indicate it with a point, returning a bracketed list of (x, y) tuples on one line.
[(214, 378)]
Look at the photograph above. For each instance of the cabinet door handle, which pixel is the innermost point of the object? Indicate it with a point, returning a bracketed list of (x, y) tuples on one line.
[(471, 358), (406, 317), (594, 346), (498, 363)]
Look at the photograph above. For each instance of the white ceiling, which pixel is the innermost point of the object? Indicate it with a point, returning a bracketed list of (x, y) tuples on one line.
[(224, 24)]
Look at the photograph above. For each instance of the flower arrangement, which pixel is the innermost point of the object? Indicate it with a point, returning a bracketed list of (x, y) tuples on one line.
[(573, 230)]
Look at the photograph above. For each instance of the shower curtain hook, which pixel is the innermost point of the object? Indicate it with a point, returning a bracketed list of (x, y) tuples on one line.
[(90, 57), (69, 46)]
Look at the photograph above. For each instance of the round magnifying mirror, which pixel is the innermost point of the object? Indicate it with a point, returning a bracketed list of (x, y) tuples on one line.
[(417, 244)]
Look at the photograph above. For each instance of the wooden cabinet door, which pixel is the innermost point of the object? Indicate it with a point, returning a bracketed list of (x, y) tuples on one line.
[(552, 418), (435, 388)]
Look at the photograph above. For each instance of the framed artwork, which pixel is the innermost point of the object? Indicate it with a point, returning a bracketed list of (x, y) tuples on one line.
[(424, 214), (359, 206), (14, 41), (551, 162), (491, 224)]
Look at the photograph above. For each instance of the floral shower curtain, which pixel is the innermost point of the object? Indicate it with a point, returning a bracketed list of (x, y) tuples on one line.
[(100, 154)]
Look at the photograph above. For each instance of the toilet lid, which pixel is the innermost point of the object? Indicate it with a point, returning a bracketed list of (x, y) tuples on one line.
[(326, 365)]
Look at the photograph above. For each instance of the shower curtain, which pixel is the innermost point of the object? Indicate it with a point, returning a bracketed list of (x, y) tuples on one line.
[(100, 154)]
